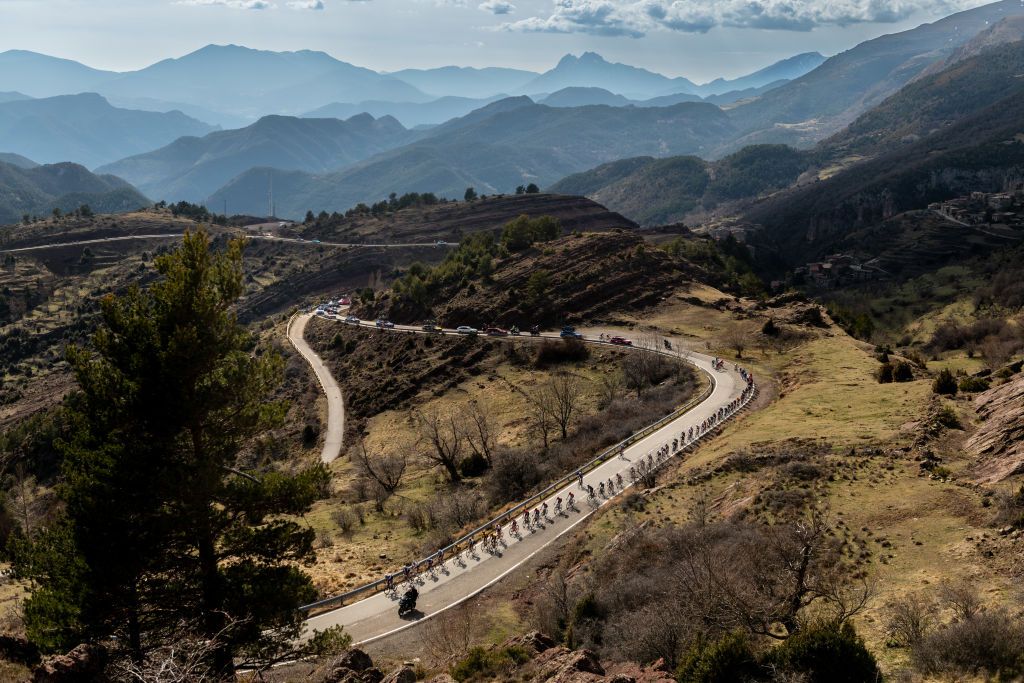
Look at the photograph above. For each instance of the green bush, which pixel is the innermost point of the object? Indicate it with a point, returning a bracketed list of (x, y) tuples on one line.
[(945, 383), (948, 418), (826, 653), (726, 660), (902, 372), (485, 665), (974, 384)]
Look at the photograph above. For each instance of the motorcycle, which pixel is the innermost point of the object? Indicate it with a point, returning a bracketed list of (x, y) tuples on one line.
[(407, 605), (535, 331)]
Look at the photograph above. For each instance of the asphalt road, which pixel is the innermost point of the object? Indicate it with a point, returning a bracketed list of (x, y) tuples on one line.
[(334, 435), (462, 577), (271, 238)]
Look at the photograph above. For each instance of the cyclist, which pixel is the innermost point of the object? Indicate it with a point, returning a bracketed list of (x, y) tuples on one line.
[(622, 452), (526, 519), (590, 490), (472, 546), (611, 486), (544, 510), (618, 479), (600, 488), (536, 516), (515, 528), (389, 582), (632, 473), (558, 505), (498, 531), (579, 477)]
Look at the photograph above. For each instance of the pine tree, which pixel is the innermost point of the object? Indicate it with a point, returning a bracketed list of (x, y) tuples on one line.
[(160, 527)]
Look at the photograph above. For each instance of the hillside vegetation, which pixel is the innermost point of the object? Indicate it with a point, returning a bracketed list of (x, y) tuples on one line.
[(660, 191), (38, 190)]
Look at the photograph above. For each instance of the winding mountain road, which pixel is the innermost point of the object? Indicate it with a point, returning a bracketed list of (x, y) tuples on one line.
[(469, 568), (334, 435)]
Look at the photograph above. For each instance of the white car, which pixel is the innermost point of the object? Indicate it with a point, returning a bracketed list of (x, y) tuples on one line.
[(352, 319), (465, 329), (382, 323)]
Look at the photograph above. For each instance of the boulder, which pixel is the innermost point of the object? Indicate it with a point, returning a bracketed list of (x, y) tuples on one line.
[(342, 674), (84, 664), (536, 641), (403, 675), (372, 675), (355, 659)]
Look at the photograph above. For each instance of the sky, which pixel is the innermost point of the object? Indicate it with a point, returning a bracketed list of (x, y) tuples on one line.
[(698, 39)]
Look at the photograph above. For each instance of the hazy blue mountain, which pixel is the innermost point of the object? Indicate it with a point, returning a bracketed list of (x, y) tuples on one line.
[(17, 160), (13, 97), (410, 114), (39, 75), (193, 168), (590, 70), (824, 100), (505, 144), (669, 100), (744, 94), (461, 81), (204, 114), (40, 189), (786, 69), (251, 82), (87, 129), (581, 97)]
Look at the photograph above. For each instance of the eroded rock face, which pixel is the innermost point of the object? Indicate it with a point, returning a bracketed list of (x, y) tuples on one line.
[(999, 442), (84, 664)]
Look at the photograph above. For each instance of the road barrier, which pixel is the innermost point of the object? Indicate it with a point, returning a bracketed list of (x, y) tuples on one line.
[(610, 452)]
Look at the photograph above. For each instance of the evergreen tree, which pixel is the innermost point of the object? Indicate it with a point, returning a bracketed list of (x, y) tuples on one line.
[(160, 527)]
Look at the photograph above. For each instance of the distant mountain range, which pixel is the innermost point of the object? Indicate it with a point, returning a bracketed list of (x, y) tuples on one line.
[(231, 85), (37, 190), (87, 129), (192, 168), (505, 144), (824, 100)]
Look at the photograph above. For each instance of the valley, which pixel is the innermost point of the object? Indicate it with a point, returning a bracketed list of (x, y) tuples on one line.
[(631, 366)]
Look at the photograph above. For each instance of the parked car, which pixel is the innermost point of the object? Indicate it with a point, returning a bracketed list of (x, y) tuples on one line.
[(466, 329), (352, 319), (496, 332), (382, 323), (621, 341)]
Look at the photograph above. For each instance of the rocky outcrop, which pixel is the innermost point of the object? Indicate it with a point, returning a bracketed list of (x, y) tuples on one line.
[(84, 664), (998, 444), (403, 675)]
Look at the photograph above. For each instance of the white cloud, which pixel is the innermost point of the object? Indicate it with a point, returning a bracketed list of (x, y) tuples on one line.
[(635, 18), (233, 4), (306, 4), (497, 7)]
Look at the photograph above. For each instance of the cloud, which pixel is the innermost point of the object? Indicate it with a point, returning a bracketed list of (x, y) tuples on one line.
[(635, 18), (306, 4), (497, 7), (233, 4)]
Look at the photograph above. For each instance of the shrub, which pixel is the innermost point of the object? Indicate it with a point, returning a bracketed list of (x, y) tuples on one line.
[(826, 653), (989, 642), (473, 465), (562, 351), (770, 329), (974, 384), (481, 664), (309, 435), (945, 383), (902, 372), (885, 373), (948, 418), (726, 660)]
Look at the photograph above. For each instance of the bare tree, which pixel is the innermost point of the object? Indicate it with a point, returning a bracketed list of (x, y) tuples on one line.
[(736, 338), (636, 370), (541, 419), (565, 391), (386, 471), (478, 429), (962, 598), (909, 618), (611, 387), (443, 437), (450, 634)]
